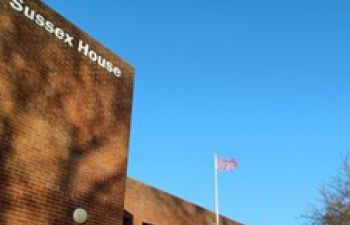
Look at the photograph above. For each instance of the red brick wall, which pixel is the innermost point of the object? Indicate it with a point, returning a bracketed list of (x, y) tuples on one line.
[(64, 125), (151, 206)]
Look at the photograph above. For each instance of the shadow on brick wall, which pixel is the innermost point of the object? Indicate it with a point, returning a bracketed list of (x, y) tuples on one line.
[(90, 199), (5, 150)]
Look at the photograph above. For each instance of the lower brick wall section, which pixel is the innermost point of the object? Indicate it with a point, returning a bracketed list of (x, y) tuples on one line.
[(42, 182), (148, 205), (45, 174)]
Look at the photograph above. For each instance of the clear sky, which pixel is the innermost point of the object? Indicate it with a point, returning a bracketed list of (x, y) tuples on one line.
[(265, 81)]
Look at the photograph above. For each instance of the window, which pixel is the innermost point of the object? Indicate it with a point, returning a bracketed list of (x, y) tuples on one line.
[(128, 218)]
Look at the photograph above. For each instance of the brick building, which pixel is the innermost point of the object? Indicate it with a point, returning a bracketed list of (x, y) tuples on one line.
[(64, 120), (64, 129), (146, 205)]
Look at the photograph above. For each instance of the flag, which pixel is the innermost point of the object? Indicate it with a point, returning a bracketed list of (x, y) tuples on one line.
[(224, 164)]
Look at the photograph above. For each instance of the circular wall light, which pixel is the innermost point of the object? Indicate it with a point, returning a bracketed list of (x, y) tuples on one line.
[(80, 215)]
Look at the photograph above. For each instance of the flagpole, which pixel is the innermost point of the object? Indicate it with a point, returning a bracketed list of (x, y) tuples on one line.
[(216, 188)]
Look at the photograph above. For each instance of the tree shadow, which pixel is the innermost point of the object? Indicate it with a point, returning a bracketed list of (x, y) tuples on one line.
[(90, 200), (5, 151)]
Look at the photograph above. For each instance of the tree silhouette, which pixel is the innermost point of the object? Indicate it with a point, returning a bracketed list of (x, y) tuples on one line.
[(335, 201)]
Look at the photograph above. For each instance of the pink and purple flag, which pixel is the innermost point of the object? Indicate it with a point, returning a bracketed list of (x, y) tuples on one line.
[(224, 164)]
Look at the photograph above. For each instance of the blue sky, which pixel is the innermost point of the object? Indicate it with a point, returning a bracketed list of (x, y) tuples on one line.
[(265, 81)]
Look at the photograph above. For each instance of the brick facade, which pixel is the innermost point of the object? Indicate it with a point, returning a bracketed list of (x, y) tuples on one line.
[(146, 205), (64, 123)]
